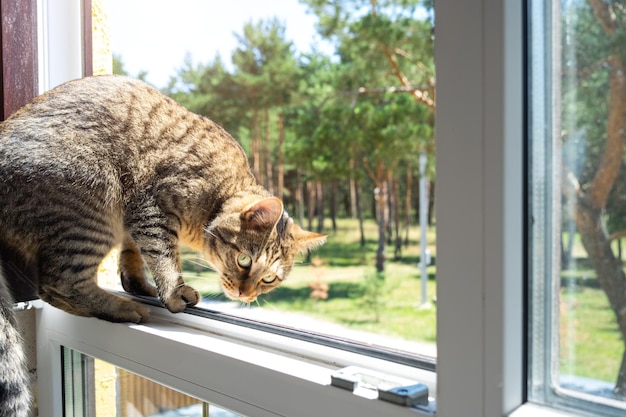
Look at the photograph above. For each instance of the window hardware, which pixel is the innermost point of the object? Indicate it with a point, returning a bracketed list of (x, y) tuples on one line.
[(408, 395), (399, 391)]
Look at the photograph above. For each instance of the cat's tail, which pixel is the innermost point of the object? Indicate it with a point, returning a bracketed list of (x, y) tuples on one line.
[(15, 395)]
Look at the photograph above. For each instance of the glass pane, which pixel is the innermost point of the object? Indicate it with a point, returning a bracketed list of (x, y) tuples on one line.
[(77, 384), (93, 387), (337, 120), (577, 106)]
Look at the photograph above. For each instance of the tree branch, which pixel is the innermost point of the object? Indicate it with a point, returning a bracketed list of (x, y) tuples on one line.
[(418, 64), (369, 170), (605, 15), (618, 235), (609, 166), (401, 89), (419, 95)]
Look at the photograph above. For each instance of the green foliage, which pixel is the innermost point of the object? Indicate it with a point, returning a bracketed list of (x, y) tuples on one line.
[(390, 129), (373, 288), (320, 118), (586, 88), (586, 93), (118, 68), (265, 65)]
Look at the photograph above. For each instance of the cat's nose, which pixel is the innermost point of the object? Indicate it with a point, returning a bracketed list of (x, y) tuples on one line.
[(246, 294)]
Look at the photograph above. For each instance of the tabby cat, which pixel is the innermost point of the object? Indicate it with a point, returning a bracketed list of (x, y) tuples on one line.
[(109, 160)]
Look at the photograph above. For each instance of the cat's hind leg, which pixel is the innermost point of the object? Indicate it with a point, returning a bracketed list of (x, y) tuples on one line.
[(67, 280), (133, 270)]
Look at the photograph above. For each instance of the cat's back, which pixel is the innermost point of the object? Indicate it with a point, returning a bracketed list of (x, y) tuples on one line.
[(111, 118), (87, 110), (107, 138)]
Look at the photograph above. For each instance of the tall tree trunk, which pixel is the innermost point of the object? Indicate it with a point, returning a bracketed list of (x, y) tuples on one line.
[(359, 210), (319, 207), (255, 146), (310, 188), (333, 204), (608, 269), (267, 153), (353, 191), (407, 204), (395, 195), (281, 156), (300, 196), (591, 201), (390, 210), (382, 215)]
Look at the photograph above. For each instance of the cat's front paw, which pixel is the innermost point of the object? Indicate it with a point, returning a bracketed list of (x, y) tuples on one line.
[(180, 298)]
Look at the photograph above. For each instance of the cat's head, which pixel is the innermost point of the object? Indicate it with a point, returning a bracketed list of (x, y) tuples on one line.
[(254, 249)]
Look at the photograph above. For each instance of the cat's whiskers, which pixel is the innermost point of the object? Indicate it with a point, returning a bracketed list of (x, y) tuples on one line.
[(204, 264), (267, 304), (211, 233), (243, 305), (214, 296), (193, 276)]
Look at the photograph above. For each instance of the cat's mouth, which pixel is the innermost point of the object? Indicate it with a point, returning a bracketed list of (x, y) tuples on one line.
[(245, 297), (248, 300), (237, 295)]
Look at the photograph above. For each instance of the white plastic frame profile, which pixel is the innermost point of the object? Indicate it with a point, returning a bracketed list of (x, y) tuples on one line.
[(201, 358), (60, 50), (480, 207)]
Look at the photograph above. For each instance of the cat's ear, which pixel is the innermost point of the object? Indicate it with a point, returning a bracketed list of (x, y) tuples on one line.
[(263, 215), (305, 240)]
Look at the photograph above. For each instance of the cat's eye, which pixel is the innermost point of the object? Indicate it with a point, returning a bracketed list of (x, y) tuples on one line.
[(244, 260), (268, 279)]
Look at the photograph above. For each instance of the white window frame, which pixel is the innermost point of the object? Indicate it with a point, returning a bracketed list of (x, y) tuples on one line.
[(480, 207), (241, 369), (60, 42), (480, 217)]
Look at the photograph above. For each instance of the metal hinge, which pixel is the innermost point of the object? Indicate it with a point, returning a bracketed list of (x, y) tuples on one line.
[(392, 389)]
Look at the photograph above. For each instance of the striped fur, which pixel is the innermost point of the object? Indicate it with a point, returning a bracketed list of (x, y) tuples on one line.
[(108, 160), (14, 381)]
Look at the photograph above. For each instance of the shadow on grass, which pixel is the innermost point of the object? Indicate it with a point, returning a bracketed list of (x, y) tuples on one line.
[(579, 282), (293, 294), (611, 330), (580, 275), (335, 290), (340, 254), (414, 260), (358, 322)]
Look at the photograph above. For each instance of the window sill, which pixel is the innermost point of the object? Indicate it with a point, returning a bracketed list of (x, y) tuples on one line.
[(245, 370), (535, 410)]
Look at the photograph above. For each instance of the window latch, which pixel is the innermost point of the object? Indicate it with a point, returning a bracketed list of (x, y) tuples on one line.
[(395, 390)]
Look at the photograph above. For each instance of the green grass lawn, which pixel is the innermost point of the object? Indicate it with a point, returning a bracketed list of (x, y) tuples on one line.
[(590, 345)]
